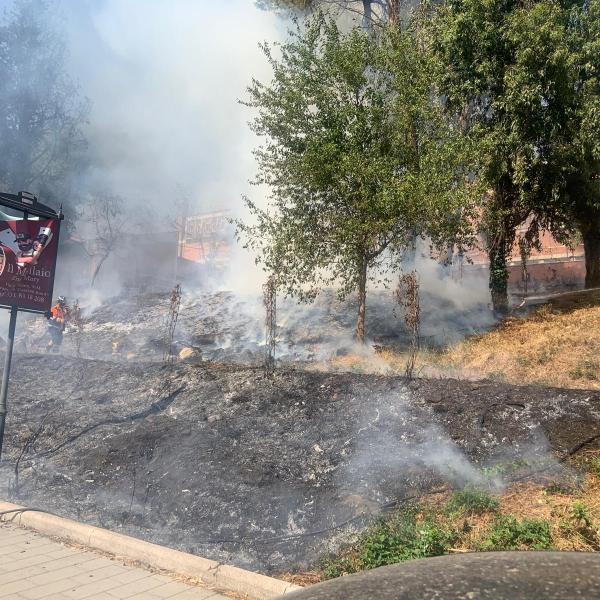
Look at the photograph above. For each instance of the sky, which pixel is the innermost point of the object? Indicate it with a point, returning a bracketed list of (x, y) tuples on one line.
[(164, 78)]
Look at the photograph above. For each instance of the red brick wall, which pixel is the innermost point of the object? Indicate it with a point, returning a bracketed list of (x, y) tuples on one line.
[(548, 276)]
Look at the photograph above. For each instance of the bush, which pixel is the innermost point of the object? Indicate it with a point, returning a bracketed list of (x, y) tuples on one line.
[(507, 533), (404, 536), (390, 545), (473, 501), (595, 467)]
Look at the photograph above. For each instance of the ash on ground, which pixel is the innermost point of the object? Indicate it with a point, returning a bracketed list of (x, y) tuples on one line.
[(227, 327), (267, 474)]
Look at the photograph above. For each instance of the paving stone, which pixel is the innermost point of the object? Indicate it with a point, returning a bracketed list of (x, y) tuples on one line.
[(33, 567), (94, 587), (56, 575), (110, 571), (135, 587), (41, 591), (10, 590), (196, 594), (168, 590)]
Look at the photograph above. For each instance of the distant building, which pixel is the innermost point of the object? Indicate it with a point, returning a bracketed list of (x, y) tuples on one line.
[(555, 266), (206, 239)]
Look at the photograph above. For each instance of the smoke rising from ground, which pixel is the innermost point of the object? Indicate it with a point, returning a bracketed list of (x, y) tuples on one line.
[(164, 78)]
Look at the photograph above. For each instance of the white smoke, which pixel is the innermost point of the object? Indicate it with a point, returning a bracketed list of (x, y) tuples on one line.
[(164, 77)]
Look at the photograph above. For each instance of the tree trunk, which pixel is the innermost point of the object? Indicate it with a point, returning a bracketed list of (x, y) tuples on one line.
[(362, 303), (591, 245), (98, 267), (498, 277), (501, 223), (367, 14)]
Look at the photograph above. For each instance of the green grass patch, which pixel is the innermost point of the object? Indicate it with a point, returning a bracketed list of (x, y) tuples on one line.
[(407, 535), (473, 501), (507, 533)]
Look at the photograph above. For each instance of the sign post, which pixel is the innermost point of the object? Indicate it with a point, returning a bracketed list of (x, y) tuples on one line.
[(28, 252)]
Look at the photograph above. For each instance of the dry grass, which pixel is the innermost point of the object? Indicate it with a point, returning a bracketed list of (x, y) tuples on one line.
[(549, 348), (527, 501), (558, 345), (303, 579), (428, 363), (573, 515)]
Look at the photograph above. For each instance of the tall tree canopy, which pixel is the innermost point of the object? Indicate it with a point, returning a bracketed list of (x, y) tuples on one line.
[(513, 72), (358, 157), (577, 142), (41, 113)]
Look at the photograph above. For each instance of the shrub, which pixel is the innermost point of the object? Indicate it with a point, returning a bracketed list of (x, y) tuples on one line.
[(507, 533), (336, 567), (473, 501), (580, 514), (404, 536), (595, 467)]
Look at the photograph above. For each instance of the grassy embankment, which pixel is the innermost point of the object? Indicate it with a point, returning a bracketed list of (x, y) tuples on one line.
[(523, 517), (558, 344)]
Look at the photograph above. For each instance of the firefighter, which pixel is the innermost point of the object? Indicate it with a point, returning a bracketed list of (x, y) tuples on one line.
[(57, 321)]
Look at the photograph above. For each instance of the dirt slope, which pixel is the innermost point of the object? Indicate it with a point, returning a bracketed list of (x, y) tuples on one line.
[(217, 460)]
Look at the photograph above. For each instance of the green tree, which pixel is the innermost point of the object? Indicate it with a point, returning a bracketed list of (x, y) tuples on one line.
[(579, 146), (554, 86), (41, 113), (505, 69), (358, 157)]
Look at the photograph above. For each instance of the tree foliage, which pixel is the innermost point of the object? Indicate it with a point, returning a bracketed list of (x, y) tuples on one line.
[(41, 113), (522, 78), (577, 142), (358, 157)]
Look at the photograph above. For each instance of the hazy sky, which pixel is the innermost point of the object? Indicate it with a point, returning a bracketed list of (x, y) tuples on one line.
[(164, 77)]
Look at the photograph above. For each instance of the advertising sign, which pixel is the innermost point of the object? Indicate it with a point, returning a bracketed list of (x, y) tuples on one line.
[(27, 263)]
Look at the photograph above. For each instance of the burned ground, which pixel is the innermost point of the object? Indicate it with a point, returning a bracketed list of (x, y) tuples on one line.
[(267, 474), (227, 327)]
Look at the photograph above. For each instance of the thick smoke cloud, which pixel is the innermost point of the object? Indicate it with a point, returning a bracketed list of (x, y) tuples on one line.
[(164, 77)]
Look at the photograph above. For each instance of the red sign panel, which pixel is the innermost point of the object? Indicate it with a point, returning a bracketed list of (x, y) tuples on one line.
[(27, 263)]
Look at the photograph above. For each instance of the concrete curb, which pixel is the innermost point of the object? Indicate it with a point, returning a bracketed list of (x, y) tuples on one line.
[(225, 577)]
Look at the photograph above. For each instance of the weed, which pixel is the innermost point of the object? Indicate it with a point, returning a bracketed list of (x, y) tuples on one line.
[(507, 533), (585, 369), (595, 467), (579, 514), (337, 567), (523, 361), (559, 487), (579, 523), (544, 356), (405, 536), (543, 313), (473, 501), (576, 373), (497, 376)]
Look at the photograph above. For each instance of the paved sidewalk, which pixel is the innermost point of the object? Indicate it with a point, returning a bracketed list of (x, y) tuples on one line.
[(33, 566)]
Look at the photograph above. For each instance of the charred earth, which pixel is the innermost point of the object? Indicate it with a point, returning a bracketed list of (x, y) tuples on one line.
[(224, 326), (265, 473)]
